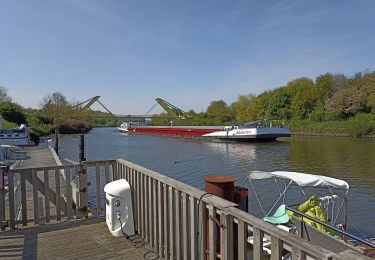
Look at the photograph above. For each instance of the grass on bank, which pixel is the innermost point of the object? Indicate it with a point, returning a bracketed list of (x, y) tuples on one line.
[(361, 125)]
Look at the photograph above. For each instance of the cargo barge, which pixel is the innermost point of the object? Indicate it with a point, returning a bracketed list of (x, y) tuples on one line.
[(254, 131)]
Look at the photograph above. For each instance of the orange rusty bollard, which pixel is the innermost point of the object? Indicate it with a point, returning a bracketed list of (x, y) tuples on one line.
[(223, 187)]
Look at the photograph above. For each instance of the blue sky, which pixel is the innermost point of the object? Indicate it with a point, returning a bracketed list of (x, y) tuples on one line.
[(187, 52)]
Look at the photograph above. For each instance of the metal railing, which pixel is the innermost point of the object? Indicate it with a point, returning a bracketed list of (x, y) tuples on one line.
[(340, 231)]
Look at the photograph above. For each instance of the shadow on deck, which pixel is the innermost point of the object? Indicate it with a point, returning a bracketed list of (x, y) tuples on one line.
[(77, 239)]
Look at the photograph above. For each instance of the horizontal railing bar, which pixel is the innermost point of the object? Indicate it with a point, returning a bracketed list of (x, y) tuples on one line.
[(368, 243), (39, 169), (187, 189), (100, 162)]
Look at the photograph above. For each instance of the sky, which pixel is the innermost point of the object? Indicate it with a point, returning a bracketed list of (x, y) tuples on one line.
[(187, 52)]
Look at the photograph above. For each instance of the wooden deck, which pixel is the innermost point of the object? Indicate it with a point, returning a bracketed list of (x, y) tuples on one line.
[(78, 239), (39, 157)]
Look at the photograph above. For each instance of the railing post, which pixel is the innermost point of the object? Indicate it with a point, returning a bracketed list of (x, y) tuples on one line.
[(82, 207), (3, 170), (57, 140), (12, 210)]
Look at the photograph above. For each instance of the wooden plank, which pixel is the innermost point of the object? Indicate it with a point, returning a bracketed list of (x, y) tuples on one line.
[(12, 213), (212, 232), (126, 173), (315, 251), (85, 193), (160, 219), (298, 254), (171, 225), (106, 172), (98, 190), (226, 245), (242, 240), (185, 227), (276, 248), (146, 208), (142, 214), (2, 197), (177, 223), (68, 190), (258, 243), (39, 184), (57, 183), (23, 199), (46, 196), (156, 209), (166, 222), (139, 199), (86, 239), (150, 212), (202, 230), (135, 198), (35, 196), (194, 244)]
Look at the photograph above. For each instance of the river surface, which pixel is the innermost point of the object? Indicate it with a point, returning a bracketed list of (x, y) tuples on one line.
[(189, 160)]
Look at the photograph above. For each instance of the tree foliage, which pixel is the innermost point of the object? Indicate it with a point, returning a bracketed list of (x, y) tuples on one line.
[(218, 113), (4, 95), (12, 112)]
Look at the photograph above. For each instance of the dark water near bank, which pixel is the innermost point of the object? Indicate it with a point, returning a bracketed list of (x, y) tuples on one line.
[(188, 160)]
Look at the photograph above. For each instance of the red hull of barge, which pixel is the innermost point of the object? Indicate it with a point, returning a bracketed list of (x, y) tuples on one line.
[(172, 131)]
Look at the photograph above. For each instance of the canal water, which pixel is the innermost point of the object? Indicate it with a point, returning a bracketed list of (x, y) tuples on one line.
[(189, 160)]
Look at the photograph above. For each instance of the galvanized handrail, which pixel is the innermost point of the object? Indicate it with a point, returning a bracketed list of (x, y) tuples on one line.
[(366, 242)]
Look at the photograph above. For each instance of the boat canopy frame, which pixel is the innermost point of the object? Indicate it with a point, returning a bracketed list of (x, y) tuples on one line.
[(304, 180)]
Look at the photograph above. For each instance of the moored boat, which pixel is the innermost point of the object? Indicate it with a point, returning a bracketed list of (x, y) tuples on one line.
[(14, 136), (254, 131), (320, 214)]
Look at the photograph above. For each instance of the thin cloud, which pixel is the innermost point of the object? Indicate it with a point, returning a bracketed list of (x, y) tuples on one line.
[(91, 7)]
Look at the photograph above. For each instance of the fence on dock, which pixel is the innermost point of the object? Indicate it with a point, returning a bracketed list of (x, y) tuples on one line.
[(177, 220)]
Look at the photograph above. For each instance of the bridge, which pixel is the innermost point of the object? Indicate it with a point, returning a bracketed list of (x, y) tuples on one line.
[(172, 111)]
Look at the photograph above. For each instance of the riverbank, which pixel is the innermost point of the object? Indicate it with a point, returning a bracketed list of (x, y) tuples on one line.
[(359, 126)]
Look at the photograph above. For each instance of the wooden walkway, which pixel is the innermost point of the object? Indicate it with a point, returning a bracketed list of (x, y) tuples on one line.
[(77, 239), (40, 158)]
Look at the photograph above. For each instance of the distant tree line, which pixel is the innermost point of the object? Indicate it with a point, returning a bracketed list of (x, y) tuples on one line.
[(332, 104)]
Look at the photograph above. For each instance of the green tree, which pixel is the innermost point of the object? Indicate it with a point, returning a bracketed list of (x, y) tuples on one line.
[(347, 102), (4, 95), (323, 88), (279, 105), (218, 113), (12, 112), (339, 82), (365, 83), (303, 104), (57, 112), (242, 108)]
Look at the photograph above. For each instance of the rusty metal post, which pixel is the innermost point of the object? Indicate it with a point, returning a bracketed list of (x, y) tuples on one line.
[(220, 185), (241, 197), (223, 187)]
